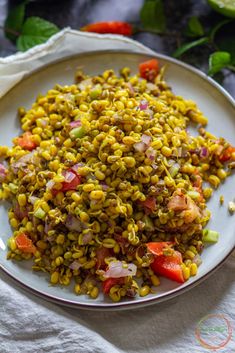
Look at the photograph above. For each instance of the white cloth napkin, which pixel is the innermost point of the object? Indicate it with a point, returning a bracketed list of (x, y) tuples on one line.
[(32, 325)]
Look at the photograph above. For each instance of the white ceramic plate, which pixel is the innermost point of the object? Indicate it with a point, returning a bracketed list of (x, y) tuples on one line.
[(216, 104)]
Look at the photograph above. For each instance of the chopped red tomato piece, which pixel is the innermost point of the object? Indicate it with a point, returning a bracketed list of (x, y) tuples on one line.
[(149, 69), (156, 248), (178, 203), (149, 203), (169, 266), (110, 282), (101, 254), (115, 27), (73, 183), (227, 154), (25, 244), (26, 142)]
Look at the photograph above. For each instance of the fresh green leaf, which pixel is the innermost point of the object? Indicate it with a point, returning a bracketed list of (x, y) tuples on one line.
[(14, 22), (35, 31), (218, 60), (152, 16), (228, 45), (187, 46), (194, 28)]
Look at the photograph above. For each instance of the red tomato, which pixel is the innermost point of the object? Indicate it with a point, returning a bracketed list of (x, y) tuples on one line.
[(101, 254), (115, 27), (71, 185), (156, 248), (110, 282), (178, 203), (149, 69), (25, 244), (169, 267), (226, 155), (149, 203), (25, 141)]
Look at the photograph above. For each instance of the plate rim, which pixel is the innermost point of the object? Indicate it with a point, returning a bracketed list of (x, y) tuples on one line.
[(186, 66), (114, 306), (146, 301)]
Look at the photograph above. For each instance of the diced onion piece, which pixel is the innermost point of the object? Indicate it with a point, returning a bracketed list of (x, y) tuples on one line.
[(197, 260), (50, 184), (104, 185), (75, 123), (117, 269), (139, 146), (150, 112), (87, 238), (131, 88), (69, 176), (75, 167), (146, 139), (75, 265), (204, 152), (33, 199), (151, 153), (151, 86), (24, 160), (85, 83), (72, 223), (3, 172), (143, 105), (154, 166), (47, 227)]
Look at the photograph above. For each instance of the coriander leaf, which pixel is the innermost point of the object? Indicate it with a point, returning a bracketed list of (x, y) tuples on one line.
[(14, 22), (152, 16), (187, 46), (194, 28), (35, 31), (218, 61)]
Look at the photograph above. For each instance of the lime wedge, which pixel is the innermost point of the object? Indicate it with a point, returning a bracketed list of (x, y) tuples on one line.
[(225, 7)]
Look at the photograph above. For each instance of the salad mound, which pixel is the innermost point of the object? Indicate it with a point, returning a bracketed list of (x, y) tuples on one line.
[(106, 183)]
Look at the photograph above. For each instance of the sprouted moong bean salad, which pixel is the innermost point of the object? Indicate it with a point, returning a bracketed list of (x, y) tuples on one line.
[(106, 183)]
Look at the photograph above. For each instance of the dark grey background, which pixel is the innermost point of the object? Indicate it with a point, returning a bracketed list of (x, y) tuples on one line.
[(77, 13)]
